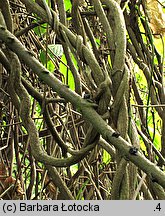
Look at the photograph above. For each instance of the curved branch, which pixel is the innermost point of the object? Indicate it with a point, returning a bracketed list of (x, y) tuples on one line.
[(119, 34), (107, 28), (5, 8)]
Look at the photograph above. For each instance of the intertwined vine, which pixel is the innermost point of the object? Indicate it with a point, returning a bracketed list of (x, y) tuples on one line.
[(93, 140)]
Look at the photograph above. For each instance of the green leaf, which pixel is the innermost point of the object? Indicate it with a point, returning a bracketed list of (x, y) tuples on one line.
[(50, 66), (79, 195), (40, 30), (74, 168), (53, 50), (69, 79), (106, 157), (56, 49), (68, 5)]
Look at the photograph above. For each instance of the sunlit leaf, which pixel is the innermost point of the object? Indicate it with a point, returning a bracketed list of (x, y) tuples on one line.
[(68, 5), (56, 49), (106, 157)]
